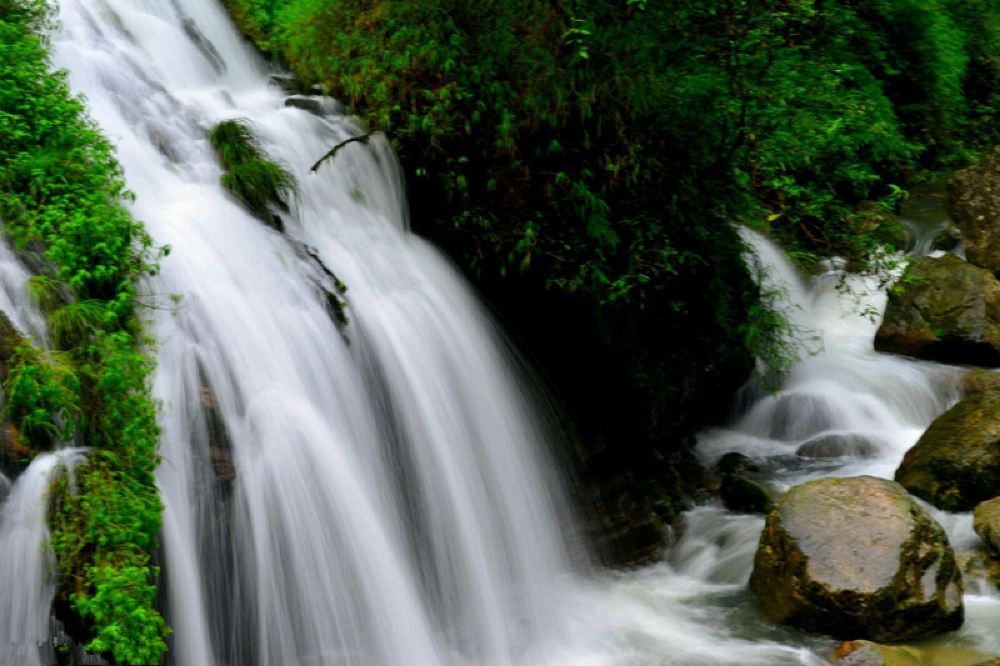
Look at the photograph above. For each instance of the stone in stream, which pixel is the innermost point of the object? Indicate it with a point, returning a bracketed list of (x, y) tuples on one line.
[(857, 558), (866, 653), (836, 445), (974, 202), (978, 380), (956, 463), (947, 239), (745, 495), (986, 522), (943, 309)]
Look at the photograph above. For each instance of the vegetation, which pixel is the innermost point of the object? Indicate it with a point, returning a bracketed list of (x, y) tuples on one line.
[(604, 147), (256, 181), (62, 195)]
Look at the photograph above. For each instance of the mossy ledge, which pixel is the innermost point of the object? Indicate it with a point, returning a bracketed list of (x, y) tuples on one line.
[(62, 194)]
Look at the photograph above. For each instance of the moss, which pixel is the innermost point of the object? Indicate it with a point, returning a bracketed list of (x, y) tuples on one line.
[(257, 182)]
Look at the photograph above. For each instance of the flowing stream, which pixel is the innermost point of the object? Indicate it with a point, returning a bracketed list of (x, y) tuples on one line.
[(379, 493)]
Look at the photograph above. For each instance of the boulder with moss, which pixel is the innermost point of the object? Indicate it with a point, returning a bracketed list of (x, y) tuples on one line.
[(857, 558), (974, 202), (956, 463), (943, 309), (986, 522)]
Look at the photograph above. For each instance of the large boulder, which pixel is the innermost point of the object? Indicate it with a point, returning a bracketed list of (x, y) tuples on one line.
[(943, 309), (857, 558), (974, 201), (956, 463), (986, 522)]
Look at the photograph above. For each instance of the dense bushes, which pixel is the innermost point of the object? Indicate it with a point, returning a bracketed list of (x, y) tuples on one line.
[(62, 195), (602, 147)]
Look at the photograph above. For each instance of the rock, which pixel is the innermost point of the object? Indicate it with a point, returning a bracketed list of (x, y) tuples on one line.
[(866, 653), (978, 380), (986, 522), (943, 309), (956, 463), (980, 569), (837, 445), (947, 239), (857, 558), (313, 106), (745, 495), (974, 202), (736, 463)]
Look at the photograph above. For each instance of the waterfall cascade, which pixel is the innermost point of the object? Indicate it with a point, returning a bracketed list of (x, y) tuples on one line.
[(378, 493)]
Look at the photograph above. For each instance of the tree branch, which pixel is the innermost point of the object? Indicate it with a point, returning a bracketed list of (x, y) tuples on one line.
[(363, 138)]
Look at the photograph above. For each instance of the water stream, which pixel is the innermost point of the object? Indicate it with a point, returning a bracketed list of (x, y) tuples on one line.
[(380, 493)]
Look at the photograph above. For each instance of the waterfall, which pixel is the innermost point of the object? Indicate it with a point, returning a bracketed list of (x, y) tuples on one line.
[(27, 565), (375, 494), (379, 493)]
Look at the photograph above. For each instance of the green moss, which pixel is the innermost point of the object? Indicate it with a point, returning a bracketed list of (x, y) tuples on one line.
[(62, 190), (256, 181)]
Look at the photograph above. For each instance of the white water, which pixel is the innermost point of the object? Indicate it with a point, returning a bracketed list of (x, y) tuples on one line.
[(379, 495), (27, 563)]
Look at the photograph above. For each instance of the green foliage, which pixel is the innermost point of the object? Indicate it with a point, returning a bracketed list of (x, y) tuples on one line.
[(256, 182), (61, 190), (604, 147), (43, 395)]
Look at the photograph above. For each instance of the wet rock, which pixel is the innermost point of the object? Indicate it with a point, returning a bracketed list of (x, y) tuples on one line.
[(947, 239), (986, 522), (837, 445), (866, 653), (978, 380), (974, 202), (313, 106), (744, 495), (943, 309), (980, 569), (857, 558), (956, 463), (736, 463)]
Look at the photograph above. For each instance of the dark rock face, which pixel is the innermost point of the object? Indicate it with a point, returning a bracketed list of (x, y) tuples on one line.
[(944, 309), (956, 463), (974, 201), (857, 558)]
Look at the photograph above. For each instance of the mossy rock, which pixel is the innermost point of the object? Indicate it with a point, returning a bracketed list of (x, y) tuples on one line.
[(857, 558), (979, 567), (745, 495), (979, 380), (866, 653), (956, 463), (986, 522), (947, 239), (943, 309), (974, 203)]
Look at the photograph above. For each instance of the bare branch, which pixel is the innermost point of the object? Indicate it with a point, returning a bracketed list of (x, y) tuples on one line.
[(363, 138)]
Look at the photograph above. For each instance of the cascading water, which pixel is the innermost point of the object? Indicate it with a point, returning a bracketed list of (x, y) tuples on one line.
[(371, 495), (26, 562), (377, 493)]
